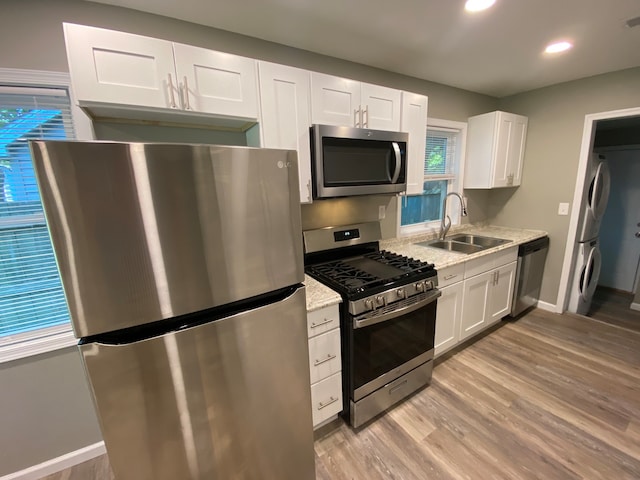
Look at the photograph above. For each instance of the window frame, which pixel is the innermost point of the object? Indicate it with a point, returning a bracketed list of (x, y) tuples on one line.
[(46, 339), (455, 184)]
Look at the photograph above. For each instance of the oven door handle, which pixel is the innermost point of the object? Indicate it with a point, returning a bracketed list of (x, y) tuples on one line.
[(365, 322)]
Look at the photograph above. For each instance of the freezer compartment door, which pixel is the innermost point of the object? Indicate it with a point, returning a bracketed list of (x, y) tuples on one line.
[(223, 400), (144, 232)]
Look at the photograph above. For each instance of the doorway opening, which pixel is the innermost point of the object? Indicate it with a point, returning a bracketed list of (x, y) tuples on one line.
[(616, 135)]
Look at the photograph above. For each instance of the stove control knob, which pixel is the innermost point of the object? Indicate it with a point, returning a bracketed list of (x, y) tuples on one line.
[(380, 300), (419, 286), (368, 303), (401, 293)]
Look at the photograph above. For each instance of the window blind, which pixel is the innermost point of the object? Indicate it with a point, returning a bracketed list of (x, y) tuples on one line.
[(31, 295), (440, 153)]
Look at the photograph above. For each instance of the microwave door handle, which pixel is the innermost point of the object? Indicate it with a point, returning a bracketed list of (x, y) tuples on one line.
[(396, 172)]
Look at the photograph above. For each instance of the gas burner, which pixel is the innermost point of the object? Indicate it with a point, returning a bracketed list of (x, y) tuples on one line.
[(370, 271)]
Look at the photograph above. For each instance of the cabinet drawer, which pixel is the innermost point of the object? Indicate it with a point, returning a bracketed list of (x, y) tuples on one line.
[(326, 398), (489, 262), (324, 355), (323, 320), (505, 256), (449, 275)]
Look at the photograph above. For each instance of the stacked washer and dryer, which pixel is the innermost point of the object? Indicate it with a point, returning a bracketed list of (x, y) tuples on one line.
[(589, 261)]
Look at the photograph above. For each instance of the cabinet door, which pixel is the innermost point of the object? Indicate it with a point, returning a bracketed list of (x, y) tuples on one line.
[(448, 316), (285, 103), (476, 303), (503, 138), (414, 122), (381, 107), (516, 148), (335, 100), (216, 82), (120, 68), (502, 292)]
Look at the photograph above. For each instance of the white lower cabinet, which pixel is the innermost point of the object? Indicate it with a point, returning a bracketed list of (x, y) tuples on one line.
[(325, 363), (476, 295), (326, 398), (448, 316), (488, 291), (502, 292), (481, 300)]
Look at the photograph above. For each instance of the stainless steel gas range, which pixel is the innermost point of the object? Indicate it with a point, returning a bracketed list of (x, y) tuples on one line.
[(387, 316)]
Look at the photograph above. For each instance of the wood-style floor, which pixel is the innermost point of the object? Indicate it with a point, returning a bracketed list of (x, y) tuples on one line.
[(545, 397), (612, 306)]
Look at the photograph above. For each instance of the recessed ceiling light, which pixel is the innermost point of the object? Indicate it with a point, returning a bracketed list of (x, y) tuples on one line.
[(477, 5), (558, 47)]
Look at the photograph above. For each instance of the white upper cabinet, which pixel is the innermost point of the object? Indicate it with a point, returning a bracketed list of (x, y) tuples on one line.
[(495, 150), (285, 103), (335, 100), (344, 102), (114, 69), (414, 122), (216, 82), (380, 107)]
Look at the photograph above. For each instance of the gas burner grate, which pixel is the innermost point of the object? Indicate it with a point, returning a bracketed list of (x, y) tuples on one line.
[(343, 274), (406, 264)]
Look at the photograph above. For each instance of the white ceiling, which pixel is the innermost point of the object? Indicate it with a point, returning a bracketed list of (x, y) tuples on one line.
[(497, 52)]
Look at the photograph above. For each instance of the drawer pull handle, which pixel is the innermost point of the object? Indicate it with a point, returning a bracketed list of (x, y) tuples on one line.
[(324, 322), (449, 277), (397, 387), (329, 356), (331, 400)]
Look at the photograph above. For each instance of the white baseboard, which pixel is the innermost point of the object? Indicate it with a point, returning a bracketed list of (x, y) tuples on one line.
[(57, 464), (549, 307), (635, 306)]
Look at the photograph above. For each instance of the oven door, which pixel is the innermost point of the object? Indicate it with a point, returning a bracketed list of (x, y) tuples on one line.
[(355, 161), (391, 341)]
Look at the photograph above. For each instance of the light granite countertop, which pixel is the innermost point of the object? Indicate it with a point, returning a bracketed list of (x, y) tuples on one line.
[(319, 295), (444, 258)]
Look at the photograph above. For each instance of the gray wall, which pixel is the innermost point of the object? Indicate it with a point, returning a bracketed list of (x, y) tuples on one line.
[(45, 409), (556, 120)]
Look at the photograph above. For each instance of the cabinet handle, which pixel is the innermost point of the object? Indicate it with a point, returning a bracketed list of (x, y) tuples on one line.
[(449, 277), (510, 179), (172, 98), (330, 356), (497, 276), (324, 322), (187, 106), (331, 400), (365, 124), (356, 118)]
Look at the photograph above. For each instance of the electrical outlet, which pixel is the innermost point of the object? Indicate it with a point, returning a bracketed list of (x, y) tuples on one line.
[(563, 209), (382, 212)]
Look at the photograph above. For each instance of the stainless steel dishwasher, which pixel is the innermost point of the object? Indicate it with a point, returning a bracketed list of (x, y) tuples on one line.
[(531, 258)]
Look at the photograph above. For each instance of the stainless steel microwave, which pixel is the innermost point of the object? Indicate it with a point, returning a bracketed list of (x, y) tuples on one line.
[(357, 161)]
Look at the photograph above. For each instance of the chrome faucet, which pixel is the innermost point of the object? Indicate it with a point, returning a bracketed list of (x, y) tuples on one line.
[(445, 225)]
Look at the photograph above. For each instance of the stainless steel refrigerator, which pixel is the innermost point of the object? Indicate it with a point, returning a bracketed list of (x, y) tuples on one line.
[(182, 267)]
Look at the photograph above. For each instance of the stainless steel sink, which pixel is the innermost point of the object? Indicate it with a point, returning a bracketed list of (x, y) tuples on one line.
[(465, 243), (486, 242), (452, 246)]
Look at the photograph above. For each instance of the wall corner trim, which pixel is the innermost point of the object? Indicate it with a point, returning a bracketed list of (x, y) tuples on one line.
[(635, 306), (59, 463), (549, 307)]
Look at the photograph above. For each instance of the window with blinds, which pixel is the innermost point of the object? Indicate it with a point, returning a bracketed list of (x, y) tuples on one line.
[(440, 173), (31, 295)]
